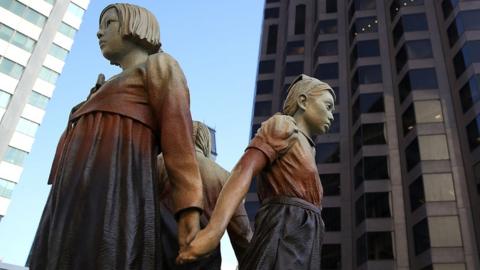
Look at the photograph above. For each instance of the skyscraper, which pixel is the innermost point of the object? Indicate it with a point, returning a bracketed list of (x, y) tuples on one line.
[(400, 166), (35, 38)]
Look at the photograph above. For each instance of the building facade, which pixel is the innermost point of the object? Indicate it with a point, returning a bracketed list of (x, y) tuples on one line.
[(400, 166), (35, 39)]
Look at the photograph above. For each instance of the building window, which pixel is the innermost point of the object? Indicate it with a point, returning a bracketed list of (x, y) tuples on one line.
[(252, 208), (335, 127), (409, 23), (369, 134), (367, 103), (58, 52), (264, 87), (331, 257), (337, 94), (272, 1), (365, 48), (372, 205), (331, 184), (412, 154), (476, 172), (469, 54), (27, 127), (466, 20), (374, 246), (75, 10), (363, 25), (470, 92), (327, 71), (16, 38), (255, 127), (371, 168), (326, 27), (408, 119), (15, 156), (4, 99), (447, 7), (6, 188), (417, 194), (331, 6), (332, 217), (399, 4), (272, 39), (360, 5), (417, 79), (326, 48), (11, 68), (421, 236), (428, 111), (366, 75), (25, 12), (294, 68), (295, 47), (300, 19), (473, 133), (327, 153), (38, 100), (266, 66), (415, 49), (67, 30), (271, 13), (48, 75), (262, 108)]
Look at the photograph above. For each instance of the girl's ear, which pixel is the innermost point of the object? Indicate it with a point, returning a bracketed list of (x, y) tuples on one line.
[(302, 102)]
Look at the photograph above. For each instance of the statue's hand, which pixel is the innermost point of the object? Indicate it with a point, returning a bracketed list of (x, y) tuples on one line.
[(204, 243), (188, 226)]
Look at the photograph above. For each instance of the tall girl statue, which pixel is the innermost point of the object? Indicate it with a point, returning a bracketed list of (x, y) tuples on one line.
[(102, 211), (288, 227)]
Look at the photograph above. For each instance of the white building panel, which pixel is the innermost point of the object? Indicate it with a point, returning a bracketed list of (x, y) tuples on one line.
[(41, 6), (18, 23), (63, 41), (7, 83), (81, 3), (21, 141), (3, 46), (72, 20), (44, 88), (4, 202), (53, 63), (33, 113), (18, 55), (2, 112), (10, 171)]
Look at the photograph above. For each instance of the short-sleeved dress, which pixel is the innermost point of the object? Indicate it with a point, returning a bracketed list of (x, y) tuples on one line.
[(289, 229), (102, 211)]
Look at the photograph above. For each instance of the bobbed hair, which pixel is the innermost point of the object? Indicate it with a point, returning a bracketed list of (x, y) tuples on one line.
[(201, 137), (303, 85), (137, 24)]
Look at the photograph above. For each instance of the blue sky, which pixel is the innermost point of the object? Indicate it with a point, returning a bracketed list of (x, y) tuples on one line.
[(216, 43)]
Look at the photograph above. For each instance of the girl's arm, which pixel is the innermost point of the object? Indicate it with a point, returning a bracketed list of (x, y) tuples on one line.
[(251, 163)]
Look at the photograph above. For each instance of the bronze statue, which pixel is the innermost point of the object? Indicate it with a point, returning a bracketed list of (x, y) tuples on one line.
[(103, 209), (288, 227), (213, 178)]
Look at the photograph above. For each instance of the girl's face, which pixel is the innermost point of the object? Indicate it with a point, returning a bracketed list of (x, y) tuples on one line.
[(112, 44), (319, 112)]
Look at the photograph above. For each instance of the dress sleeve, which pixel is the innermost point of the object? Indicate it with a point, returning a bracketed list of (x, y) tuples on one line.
[(275, 136), (170, 101)]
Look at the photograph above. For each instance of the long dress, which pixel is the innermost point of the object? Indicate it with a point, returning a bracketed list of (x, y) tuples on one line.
[(102, 211)]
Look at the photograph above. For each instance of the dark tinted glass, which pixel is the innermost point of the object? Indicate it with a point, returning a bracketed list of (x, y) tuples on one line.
[(255, 127), (363, 25), (412, 154), (360, 210), (470, 92), (414, 22), (399, 4), (271, 13), (266, 66), (331, 184), (264, 87), (252, 208), (467, 20), (369, 74), (263, 108), (333, 217), (294, 68), (377, 205), (331, 6), (331, 257), (408, 119), (421, 236), (326, 48), (362, 251), (358, 174), (335, 127), (371, 103), (300, 19), (473, 133), (417, 79), (417, 194), (375, 168), (272, 39), (365, 48), (326, 27), (327, 71), (415, 49), (295, 47), (372, 134), (470, 53), (327, 153), (379, 245)]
